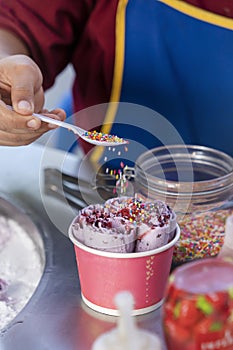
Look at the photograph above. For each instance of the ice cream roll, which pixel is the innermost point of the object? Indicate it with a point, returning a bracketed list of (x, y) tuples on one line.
[(155, 221), (98, 227)]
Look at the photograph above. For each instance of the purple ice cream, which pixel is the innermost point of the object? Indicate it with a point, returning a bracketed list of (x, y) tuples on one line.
[(97, 227), (157, 229), (155, 221), (125, 225)]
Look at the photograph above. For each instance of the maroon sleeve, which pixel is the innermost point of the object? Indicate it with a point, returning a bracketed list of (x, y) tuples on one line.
[(221, 7), (50, 29)]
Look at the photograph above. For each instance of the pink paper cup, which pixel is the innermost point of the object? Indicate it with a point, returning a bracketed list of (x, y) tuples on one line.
[(103, 274)]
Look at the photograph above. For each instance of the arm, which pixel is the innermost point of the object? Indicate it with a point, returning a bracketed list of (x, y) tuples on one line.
[(11, 45), (42, 45)]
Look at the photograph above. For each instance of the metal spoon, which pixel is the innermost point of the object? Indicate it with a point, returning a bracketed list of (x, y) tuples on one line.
[(95, 138)]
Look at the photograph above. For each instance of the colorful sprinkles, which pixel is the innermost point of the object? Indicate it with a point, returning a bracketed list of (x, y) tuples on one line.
[(202, 235), (101, 137), (136, 210), (121, 180)]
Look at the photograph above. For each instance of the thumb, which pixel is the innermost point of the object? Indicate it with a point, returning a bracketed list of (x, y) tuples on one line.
[(24, 107), (22, 96), (26, 82)]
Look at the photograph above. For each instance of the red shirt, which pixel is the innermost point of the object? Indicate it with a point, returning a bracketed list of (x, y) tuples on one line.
[(80, 32), (67, 31), (221, 7)]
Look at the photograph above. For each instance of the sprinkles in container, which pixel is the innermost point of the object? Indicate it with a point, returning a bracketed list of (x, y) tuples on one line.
[(197, 182)]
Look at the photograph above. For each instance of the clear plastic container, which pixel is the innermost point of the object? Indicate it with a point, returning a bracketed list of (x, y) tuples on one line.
[(197, 182), (198, 308)]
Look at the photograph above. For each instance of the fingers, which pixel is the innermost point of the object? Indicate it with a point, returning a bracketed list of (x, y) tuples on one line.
[(21, 78), (57, 113), (18, 130), (23, 94), (12, 122), (11, 139)]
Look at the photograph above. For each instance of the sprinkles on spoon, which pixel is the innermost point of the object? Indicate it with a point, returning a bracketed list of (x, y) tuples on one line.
[(101, 137)]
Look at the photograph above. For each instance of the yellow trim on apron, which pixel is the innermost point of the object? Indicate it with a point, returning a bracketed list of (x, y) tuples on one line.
[(117, 77), (200, 14)]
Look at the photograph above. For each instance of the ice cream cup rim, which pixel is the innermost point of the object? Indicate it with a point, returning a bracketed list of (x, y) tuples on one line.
[(125, 255)]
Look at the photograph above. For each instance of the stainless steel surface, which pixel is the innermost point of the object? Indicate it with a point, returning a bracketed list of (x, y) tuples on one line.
[(55, 317), (74, 190), (22, 260)]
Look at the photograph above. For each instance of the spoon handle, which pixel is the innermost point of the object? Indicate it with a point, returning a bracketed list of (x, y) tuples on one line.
[(68, 126), (49, 120)]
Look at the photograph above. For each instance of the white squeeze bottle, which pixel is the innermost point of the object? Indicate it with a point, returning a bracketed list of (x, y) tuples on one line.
[(126, 336)]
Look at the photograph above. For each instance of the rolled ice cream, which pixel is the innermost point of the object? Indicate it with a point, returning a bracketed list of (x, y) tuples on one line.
[(125, 225)]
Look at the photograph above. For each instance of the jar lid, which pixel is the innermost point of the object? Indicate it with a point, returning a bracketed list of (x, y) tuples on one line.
[(204, 276)]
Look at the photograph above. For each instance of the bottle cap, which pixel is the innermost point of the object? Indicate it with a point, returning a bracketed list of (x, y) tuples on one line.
[(126, 336)]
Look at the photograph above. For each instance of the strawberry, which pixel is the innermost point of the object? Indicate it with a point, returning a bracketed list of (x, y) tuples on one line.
[(210, 331), (188, 314), (175, 332), (174, 294), (209, 325), (168, 310), (219, 300)]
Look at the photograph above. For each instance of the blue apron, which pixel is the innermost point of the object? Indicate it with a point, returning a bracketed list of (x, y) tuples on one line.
[(173, 77)]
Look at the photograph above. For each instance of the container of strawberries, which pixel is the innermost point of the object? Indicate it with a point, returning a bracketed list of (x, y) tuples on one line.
[(198, 308)]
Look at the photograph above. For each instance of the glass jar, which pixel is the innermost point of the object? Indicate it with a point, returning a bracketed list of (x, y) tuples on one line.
[(198, 307), (197, 182)]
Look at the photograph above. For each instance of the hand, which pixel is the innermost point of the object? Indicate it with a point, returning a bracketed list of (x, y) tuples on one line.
[(18, 130), (21, 86)]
